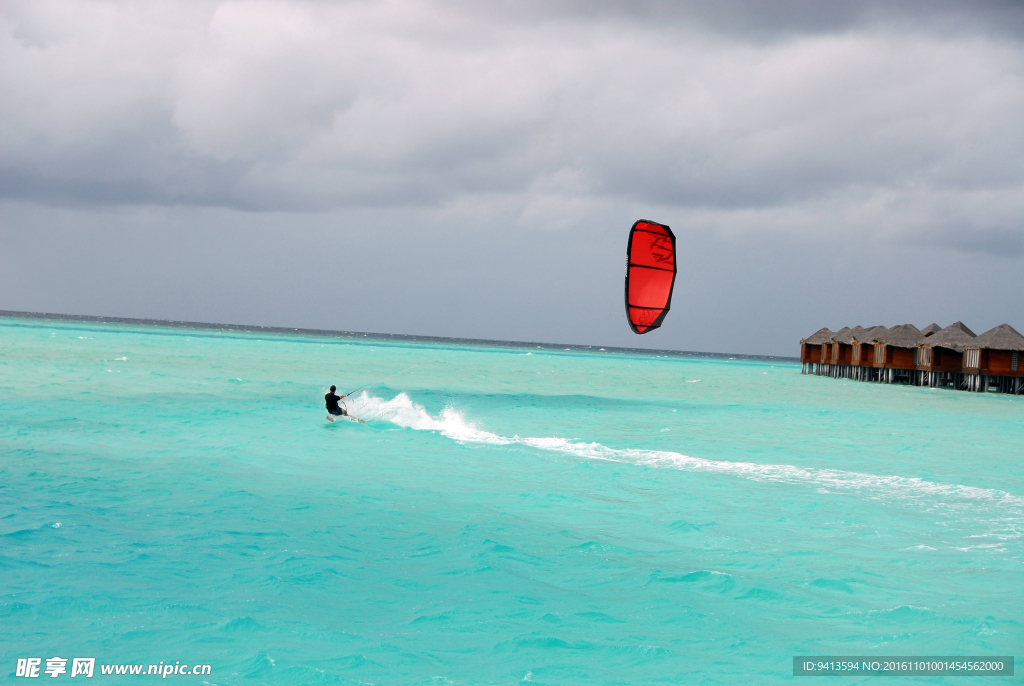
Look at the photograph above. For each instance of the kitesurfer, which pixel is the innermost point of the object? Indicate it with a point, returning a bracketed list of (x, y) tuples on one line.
[(332, 403)]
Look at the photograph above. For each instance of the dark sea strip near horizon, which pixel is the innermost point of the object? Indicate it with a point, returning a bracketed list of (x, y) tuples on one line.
[(168, 323)]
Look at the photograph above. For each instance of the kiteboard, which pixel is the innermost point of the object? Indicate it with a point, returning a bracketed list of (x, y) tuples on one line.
[(335, 417)]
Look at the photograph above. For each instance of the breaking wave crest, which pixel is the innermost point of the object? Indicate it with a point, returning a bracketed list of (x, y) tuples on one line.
[(402, 411)]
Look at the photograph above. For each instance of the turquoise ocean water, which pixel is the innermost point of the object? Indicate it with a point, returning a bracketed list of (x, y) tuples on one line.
[(506, 515)]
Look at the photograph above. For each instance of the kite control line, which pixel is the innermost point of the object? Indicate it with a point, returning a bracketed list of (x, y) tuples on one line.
[(381, 381)]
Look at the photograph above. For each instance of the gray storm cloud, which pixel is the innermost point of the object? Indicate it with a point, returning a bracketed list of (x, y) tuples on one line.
[(200, 160), (895, 130)]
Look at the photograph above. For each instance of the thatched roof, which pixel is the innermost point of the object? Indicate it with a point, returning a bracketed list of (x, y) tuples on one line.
[(842, 333), (930, 329), (872, 334), (1002, 337), (963, 327), (820, 336), (902, 336), (850, 336), (955, 337)]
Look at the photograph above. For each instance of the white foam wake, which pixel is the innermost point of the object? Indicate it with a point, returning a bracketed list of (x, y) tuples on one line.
[(402, 411), (826, 480)]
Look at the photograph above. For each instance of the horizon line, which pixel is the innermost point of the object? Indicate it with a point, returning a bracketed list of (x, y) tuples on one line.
[(216, 326)]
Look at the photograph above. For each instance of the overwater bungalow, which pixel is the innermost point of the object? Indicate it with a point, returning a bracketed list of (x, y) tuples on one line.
[(864, 344), (939, 356), (812, 349), (862, 352), (992, 361), (894, 353), (837, 345), (843, 344)]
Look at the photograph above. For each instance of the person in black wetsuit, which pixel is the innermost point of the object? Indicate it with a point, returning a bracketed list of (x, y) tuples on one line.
[(332, 403)]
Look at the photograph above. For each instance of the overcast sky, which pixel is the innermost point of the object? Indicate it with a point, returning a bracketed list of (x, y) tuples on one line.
[(472, 169)]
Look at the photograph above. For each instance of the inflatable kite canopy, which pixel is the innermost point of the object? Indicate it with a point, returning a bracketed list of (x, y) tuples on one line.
[(650, 274)]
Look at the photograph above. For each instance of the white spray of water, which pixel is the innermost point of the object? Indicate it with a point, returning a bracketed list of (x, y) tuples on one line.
[(402, 411)]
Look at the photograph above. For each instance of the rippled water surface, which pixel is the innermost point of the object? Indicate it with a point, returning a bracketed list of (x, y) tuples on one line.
[(505, 515)]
